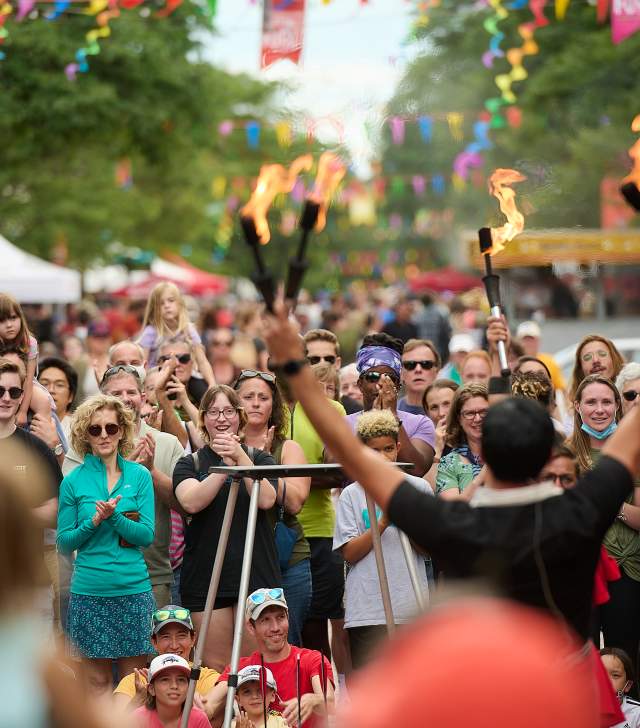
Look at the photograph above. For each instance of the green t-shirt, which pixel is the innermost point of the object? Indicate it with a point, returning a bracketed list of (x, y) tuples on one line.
[(317, 516)]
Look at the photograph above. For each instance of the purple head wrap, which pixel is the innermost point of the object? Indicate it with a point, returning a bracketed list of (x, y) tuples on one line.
[(378, 356)]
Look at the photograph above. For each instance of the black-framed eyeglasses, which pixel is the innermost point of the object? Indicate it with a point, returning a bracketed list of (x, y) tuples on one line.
[(245, 374), (374, 377), (562, 478), (630, 395), (182, 358), (110, 429), (120, 369), (411, 364), (330, 359), (14, 392)]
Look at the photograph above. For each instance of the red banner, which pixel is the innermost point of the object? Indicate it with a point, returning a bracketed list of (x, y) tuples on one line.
[(625, 19), (282, 31)]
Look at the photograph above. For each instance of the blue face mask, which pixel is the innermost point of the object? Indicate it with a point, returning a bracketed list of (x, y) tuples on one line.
[(600, 435)]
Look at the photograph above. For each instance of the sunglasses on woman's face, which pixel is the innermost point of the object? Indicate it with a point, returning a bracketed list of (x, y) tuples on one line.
[(182, 358), (14, 392), (410, 364), (631, 395), (375, 377), (96, 430)]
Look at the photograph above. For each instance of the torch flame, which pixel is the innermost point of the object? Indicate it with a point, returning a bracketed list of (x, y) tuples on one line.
[(273, 178), (499, 187), (634, 153), (331, 170)]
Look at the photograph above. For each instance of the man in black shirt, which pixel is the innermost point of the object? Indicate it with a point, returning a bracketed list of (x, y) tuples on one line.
[(537, 543)]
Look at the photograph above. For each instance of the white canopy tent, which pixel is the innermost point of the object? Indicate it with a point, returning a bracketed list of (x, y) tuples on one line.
[(30, 279)]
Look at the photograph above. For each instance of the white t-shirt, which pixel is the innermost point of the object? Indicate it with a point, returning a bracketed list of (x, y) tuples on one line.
[(362, 597), (631, 710)]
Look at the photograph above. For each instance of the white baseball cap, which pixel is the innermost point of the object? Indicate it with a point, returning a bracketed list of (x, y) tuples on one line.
[(161, 663), (254, 673), (461, 342), (260, 599), (528, 328)]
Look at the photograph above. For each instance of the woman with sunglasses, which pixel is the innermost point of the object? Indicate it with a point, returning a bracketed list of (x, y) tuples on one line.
[(221, 421), (106, 514), (266, 429), (461, 468), (628, 384)]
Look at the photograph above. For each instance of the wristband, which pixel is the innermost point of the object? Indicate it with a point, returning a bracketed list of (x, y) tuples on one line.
[(292, 367)]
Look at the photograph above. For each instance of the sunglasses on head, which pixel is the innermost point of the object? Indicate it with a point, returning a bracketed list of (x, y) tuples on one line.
[(374, 377), (182, 358), (118, 369), (262, 596), (410, 364), (14, 392), (252, 374), (330, 359), (630, 395), (96, 430)]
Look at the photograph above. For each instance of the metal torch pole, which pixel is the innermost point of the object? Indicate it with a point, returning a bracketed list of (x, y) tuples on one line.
[(411, 568), (492, 287), (211, 598), (382, 572), (232, 680)]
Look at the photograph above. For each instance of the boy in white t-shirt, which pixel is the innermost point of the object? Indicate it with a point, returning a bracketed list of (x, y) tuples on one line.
[(364, 614), (620, 669)]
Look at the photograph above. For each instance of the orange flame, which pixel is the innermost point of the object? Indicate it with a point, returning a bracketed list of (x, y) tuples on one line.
[(634, 153), (499, 187), (331, 170), (273, 178)]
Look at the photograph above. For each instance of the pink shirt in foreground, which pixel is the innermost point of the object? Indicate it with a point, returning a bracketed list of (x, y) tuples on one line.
[(147, 718)]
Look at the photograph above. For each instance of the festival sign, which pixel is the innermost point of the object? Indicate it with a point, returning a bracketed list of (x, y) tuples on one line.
[(625, 19), (282, 31)]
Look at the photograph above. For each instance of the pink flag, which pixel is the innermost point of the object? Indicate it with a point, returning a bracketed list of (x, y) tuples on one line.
[(625, 19)]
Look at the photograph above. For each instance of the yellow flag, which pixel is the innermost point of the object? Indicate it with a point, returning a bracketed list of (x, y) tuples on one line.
[(561, 8)]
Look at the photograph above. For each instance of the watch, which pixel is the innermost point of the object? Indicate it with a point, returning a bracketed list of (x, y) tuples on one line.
[(292, 367), (58, 449)]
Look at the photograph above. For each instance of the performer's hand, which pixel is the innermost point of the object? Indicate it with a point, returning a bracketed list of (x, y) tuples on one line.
[(283, 340), (497, 330)]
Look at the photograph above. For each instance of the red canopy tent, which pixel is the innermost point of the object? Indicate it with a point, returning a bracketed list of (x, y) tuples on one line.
[(189, 279), (444, 279)]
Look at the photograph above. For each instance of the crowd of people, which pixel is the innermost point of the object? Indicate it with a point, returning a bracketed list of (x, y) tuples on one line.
[(525, 484)]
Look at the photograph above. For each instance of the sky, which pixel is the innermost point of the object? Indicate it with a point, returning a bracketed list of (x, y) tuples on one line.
[(352, 61)]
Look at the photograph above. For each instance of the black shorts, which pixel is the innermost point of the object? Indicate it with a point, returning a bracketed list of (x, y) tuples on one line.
[(196, 604), (327, 579)]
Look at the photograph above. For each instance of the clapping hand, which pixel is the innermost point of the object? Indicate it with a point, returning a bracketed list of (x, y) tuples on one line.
[(144, 452), (105, 509), (387, 394), (243, 720), (227, 445)]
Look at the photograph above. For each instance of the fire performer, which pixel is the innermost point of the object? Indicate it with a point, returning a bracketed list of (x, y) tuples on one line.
[(536, 544)]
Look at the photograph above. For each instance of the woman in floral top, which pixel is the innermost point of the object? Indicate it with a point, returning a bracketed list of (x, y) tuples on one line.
[(463, 463)]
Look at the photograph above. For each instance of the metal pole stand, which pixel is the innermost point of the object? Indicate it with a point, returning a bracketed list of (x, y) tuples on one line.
[(382, 571), (211, 598), (411, 567)]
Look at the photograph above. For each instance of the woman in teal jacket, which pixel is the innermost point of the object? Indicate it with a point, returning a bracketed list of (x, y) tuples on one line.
[(106, 514)]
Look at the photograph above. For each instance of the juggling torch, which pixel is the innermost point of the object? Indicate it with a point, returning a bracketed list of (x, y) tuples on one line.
[(630, 186), (492, 241), (273, 178), (331, 170)]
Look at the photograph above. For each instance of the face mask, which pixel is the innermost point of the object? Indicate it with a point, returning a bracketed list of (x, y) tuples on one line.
[(600, 435)]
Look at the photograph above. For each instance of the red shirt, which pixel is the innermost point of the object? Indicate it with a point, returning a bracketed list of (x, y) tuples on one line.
[(284, 673)]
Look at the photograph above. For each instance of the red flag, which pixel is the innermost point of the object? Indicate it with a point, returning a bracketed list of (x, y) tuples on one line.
[(282, 31)]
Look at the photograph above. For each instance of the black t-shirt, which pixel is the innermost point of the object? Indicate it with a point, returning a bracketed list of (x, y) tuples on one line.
[(511, 545), (41, 453), (196, 388), (402, 331), (202, 534)]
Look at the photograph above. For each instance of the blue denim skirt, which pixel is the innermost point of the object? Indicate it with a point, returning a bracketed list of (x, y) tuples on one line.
[(111, 627)]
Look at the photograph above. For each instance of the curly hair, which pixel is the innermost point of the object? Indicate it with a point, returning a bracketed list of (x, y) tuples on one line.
[(209, 398), (82, 420), (377, 423), (533, 385), (455, 436), (579, 441), (383, 339), (578, 373)]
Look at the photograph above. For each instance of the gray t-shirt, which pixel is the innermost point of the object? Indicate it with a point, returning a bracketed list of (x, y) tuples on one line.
[(362, 597)]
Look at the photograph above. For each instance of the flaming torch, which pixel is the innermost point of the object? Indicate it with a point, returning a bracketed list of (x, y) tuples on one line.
[(492, 241), (331, 170), (630, 187), (273, 178)]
